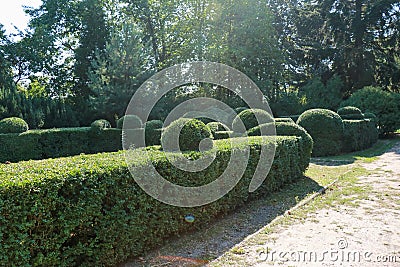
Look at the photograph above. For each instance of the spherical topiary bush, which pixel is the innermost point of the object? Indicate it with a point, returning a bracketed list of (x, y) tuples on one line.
[(188, 133), (217, 127), (13, 125), (100, 124), (131, 122), (152, 131), (288, 129), (350, 113), (251, 118), (325, 128)]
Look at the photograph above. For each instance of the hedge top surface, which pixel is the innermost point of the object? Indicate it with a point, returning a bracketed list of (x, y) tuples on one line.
[(130, 121), (251, 118), (153, 124), (13, 125)]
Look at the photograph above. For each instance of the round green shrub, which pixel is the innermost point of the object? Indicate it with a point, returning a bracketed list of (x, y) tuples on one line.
[(132, 122), (350, 113), (222, 135), (189, 132), (289, 129), (217, 127), (100, 124), (152, 131), (249, 119), (385, 105), (13, 125), (325, 128)]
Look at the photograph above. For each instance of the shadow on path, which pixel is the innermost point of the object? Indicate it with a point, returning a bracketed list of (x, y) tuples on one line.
[(212, 241)]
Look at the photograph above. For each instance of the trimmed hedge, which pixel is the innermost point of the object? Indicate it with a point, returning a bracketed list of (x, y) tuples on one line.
[(359, 135), (217, 127), (153, 130), (189, 133), (350, 113), (13, 125), (289, 129), (53, 143), (223, 135), (88, 210), (325, 128), (284, 120), (132, 122), (251, 118)]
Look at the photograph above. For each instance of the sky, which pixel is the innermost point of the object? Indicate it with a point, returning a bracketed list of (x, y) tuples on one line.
[(12, 13)]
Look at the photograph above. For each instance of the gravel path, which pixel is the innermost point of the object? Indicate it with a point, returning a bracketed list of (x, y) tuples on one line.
[(366, 233)]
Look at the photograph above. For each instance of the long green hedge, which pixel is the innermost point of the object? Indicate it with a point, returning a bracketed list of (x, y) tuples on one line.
[(87, 210), (359, 134), (53, 143)]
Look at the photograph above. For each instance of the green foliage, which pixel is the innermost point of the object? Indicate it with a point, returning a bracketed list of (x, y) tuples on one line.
[(288, 129), (251, 118), (385, 105), (218, 135), (371, 116), (130, 121), (89, 211), (153, 130), (217, 127), (240, 109), (189, 132), (100, 124), (350, 113), (284, 120), (326, 130), (54, 143), (359, 135), (13, 125), (320, 95)]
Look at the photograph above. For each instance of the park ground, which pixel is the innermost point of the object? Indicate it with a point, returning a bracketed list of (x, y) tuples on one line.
[(354, 222)]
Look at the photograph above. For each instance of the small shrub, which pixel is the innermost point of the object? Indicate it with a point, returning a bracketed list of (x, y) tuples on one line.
[(13, 125), (152, 131), (131, 122), (289, 129), (217, 127), (189, 132), (385, 105), (325, 128), (359, 135), (251, 118), (99, 125), (350, 113)]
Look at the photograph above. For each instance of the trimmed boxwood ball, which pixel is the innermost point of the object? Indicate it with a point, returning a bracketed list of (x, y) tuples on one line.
[(249, 119), (191, 133), (133, 122), (350, 113), (152, 131), (289, 129), (100, 124), (13, 125), (325, 128), (217, 127)]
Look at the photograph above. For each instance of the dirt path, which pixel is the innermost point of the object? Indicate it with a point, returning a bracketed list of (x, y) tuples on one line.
[(364, 230)]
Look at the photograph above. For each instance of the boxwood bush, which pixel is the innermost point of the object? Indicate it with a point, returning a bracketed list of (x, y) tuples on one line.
[(289, 129), (325, 128), (88, 210), (152, 131), (189, 132), (218, 135), (359, 134), (62, 142), (350, 113), (13, 125), (251, 118), (217, 127)]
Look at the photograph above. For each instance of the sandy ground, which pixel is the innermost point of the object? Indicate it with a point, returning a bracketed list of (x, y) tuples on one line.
[(365, 235)]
